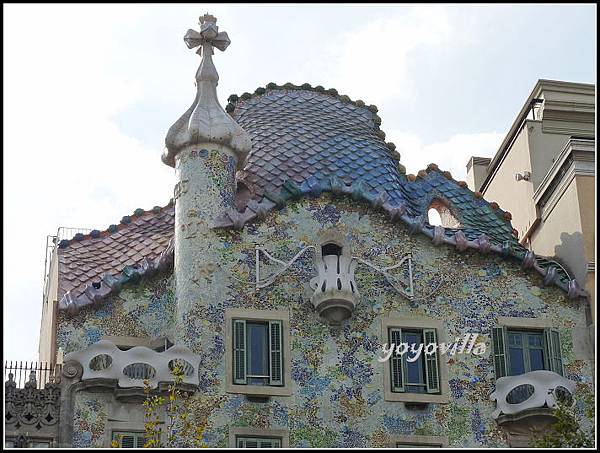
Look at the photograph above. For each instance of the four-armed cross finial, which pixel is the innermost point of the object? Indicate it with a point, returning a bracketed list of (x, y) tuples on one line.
[(208, 37), (206, 121)]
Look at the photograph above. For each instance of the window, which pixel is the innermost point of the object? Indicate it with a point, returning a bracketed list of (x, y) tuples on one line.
[(129, 439), (439, 213), (258, 442), (257, 352), (247, 437), (420, 381), (418, 441), (27, 442), (413, 372), (518, 351)]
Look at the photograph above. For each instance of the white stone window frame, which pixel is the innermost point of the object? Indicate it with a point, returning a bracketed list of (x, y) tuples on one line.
[(425, 441), (265, 316), (137, 433), (407, 397), (130, 427), (282, 434)]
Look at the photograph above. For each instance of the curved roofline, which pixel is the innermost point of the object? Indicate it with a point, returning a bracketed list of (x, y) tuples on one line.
[(398, 212), (112, 285), (233, 99)]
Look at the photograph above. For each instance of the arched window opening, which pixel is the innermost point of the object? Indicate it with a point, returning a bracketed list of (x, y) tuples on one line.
[(331, 249), (439, 214)]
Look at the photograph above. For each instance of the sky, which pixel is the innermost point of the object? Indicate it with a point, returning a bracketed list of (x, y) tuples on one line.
[(91, 90)]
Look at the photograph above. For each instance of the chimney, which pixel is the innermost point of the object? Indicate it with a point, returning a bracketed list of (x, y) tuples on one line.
[(477, 172)]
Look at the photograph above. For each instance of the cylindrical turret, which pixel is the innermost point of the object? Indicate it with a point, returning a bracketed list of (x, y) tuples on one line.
[(205, 146)]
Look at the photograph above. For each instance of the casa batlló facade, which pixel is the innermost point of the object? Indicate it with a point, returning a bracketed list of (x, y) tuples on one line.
[(294, 251)]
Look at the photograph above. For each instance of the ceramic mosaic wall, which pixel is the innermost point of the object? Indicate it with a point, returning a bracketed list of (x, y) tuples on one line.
[(141, 310), (337, 383), (90, 419)]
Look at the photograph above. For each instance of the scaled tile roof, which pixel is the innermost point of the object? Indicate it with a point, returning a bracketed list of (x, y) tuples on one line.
[(297, 134), (305, 141), (307, 137), (90, 264)]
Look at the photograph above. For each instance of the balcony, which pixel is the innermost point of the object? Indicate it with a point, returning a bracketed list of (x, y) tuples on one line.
[(104, 361), (335, 291), (527, 400)]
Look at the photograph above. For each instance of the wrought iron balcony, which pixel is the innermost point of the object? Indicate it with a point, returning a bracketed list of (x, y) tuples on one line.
[(532, 394)]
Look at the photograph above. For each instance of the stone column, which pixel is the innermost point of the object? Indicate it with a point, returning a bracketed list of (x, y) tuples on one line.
[(205, 146)]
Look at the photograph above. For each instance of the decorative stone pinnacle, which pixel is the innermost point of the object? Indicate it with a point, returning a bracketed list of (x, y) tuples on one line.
[(209, 34), (206, 121)]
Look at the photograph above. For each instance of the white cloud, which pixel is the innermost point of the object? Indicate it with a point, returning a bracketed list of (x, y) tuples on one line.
[(450, 155), (374, 59), (66, 163)]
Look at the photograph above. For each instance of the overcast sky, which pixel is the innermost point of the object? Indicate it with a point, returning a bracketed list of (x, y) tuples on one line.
[(90, 91)]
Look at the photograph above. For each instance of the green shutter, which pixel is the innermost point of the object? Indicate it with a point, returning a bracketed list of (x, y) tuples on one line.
[(554, 351), (239, 351), (396, 369), (275, 354), (499, 351), (432, 374)]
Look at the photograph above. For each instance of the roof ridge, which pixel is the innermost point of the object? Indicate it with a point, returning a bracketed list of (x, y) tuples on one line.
[(397, 212), (233, 99), (113, 228)]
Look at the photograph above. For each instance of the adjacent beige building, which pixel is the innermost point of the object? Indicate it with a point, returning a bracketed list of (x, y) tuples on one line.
[(544, 174)]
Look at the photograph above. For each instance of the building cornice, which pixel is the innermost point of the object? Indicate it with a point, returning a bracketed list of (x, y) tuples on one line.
[(542, 85), (577, 158)]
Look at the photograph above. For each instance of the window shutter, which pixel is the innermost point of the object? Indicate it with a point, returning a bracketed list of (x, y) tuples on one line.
[(396, 369), (269, 443), (130, 439), (258, 442), (128, 442), (499, 351), (554, 351), (275, 353), (141, 440), (247, 442), (239, 351), (432, 374)]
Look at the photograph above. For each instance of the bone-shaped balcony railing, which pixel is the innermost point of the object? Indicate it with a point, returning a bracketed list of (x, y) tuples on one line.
[(532, 390), (130, 368)]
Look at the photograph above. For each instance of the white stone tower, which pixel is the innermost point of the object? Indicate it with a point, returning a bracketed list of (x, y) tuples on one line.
[(205, 146)]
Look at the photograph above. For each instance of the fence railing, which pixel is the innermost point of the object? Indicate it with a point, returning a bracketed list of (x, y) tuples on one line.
[(37, 374), (52, 242)]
